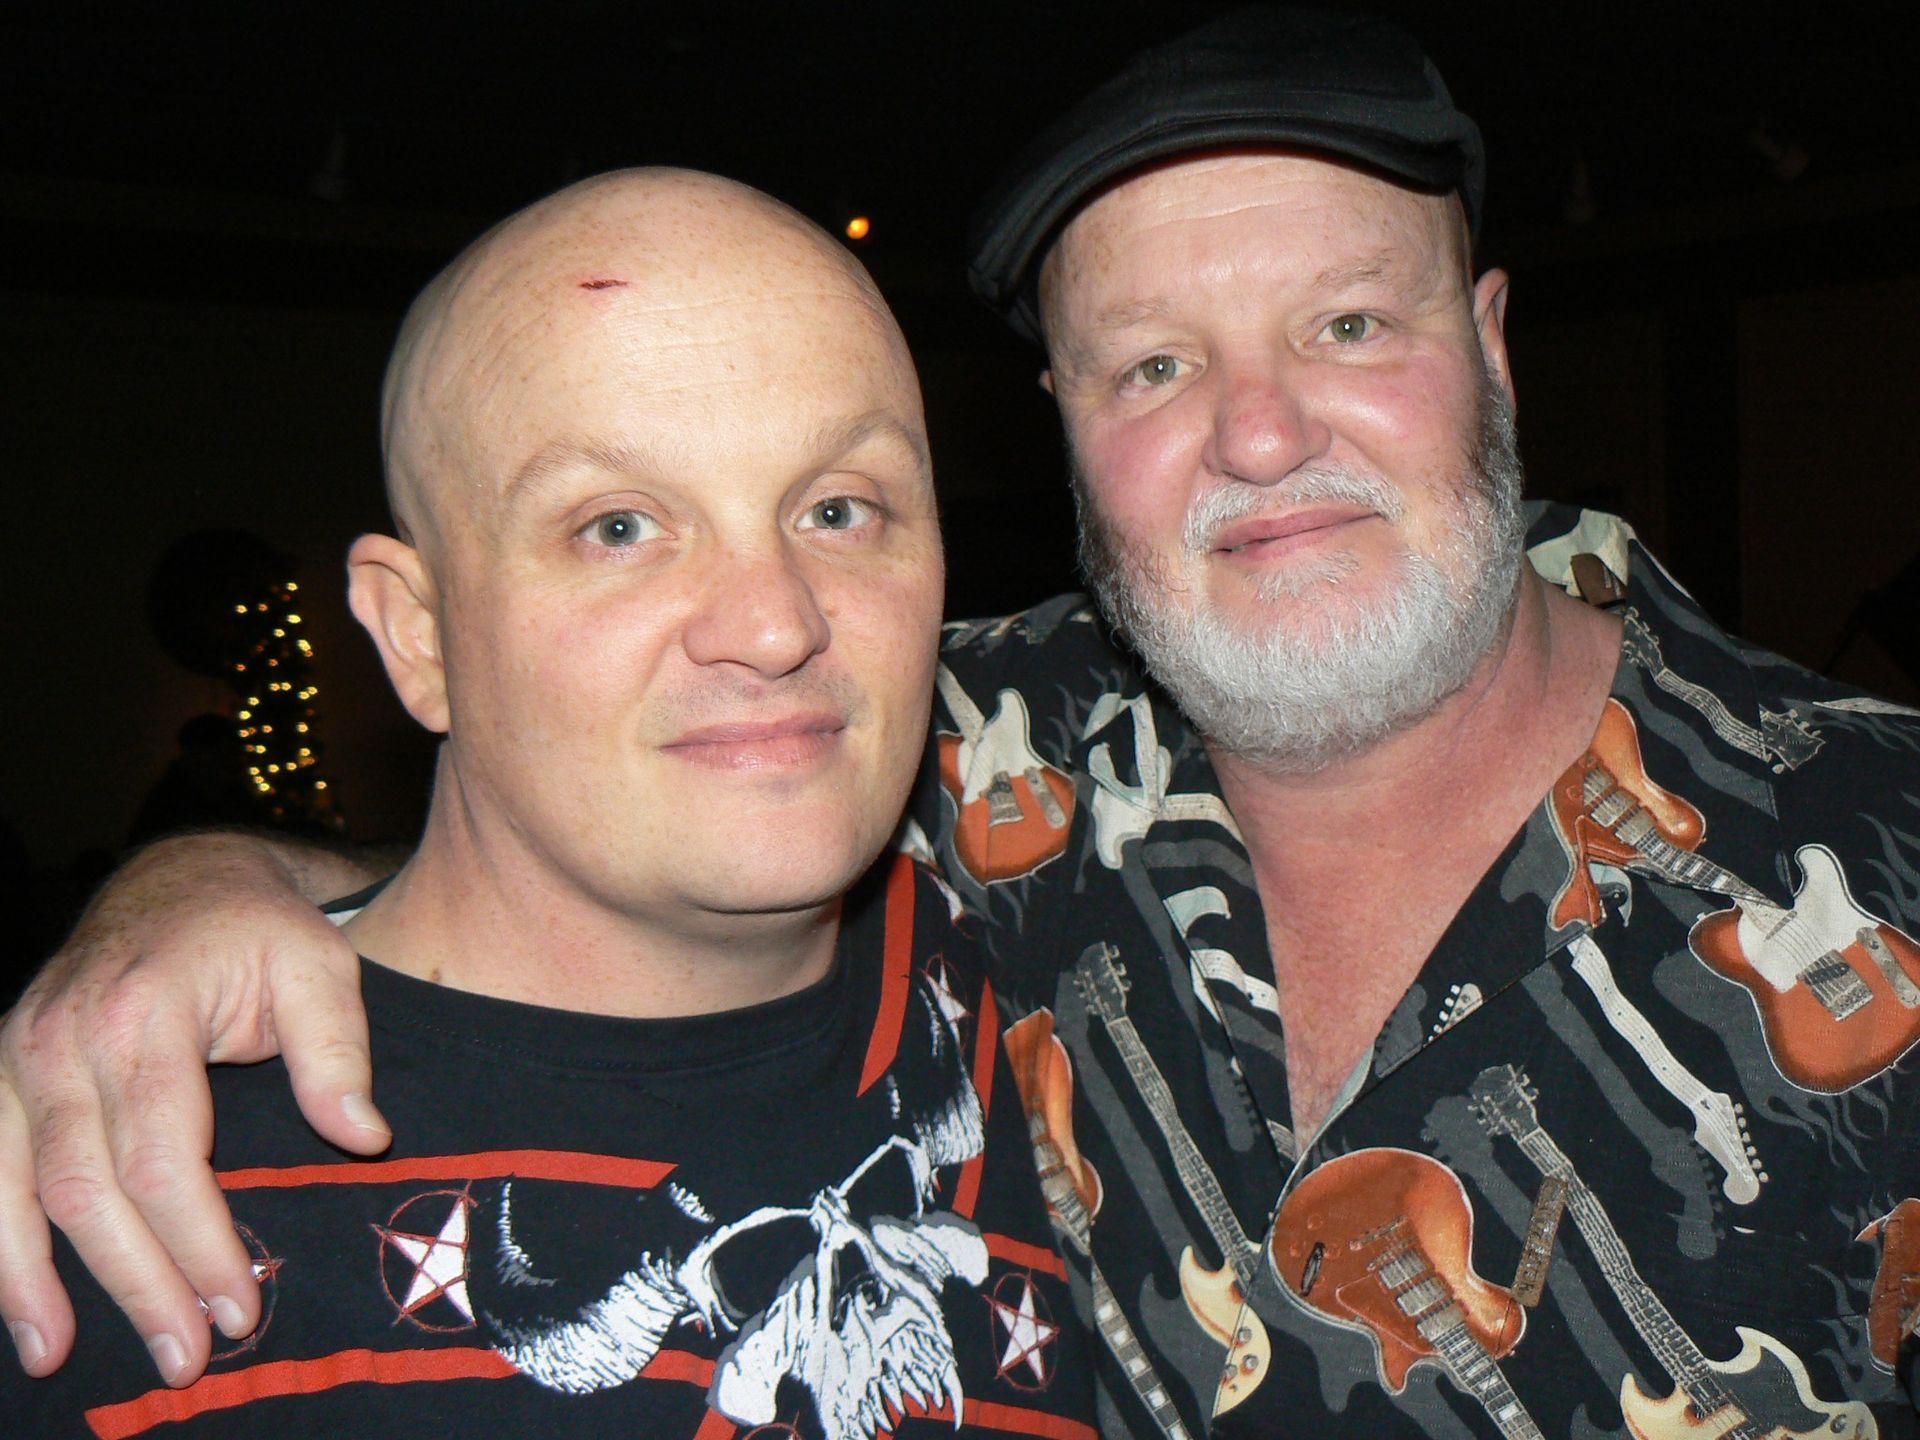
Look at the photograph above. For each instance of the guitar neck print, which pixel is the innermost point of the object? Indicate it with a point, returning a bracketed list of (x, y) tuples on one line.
[(1215, 1297), (1043, 1073), (1102, 981), (1719, 1123), (1607, 809), (1837, 989), (1745, 1398), (1111, 1321), (1380, 1241), (1786, 740)]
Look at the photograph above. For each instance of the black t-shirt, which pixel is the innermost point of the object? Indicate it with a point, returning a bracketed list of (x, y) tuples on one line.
[(815, 1217)]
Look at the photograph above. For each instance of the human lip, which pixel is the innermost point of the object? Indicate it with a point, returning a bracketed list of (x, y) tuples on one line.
[(790, 740), (1264, 534)]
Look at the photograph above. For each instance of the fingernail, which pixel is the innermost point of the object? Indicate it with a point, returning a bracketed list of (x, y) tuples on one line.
[(361, 1112), (228, 1316), (169, 1357), (29, 1342)]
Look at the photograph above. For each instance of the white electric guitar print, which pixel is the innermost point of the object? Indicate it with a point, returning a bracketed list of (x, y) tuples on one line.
[(1013, 809), (1719, 1122), (1216, 1297), (1838, 991)]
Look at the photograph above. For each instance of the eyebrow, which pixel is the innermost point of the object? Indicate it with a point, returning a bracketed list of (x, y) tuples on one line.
[(850, 434), (1367, 269), (1069, 355), (826, 443), (1128, 313), (556, 455)]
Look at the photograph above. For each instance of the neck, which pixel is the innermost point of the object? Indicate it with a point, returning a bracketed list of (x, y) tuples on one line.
[(1462, 780), (475, 909)]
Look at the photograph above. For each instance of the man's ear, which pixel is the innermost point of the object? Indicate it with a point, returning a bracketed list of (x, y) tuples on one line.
[(391, 592), (1490, 323)]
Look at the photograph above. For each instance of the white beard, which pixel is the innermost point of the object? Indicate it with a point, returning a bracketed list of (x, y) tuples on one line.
[(1297, 697)]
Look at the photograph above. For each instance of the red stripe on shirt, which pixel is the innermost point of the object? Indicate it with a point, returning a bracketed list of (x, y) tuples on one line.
[(347, 1367), (716, 1427), (1022, 1421), (681, 1365), (1016, 1418), (896, 974), (1019, 1252), (480, 1165), (986, 1048), (294, 1377)]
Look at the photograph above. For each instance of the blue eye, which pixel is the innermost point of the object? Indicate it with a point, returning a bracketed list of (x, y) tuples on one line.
[(837, 512), (620, 528)]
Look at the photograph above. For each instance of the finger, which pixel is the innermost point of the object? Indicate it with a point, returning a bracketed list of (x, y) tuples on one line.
[(157, 1112), (321, 1026), (82, 1195), (33, 1303)]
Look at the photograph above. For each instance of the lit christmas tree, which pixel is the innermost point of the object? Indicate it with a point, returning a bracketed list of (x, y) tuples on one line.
[(221, 604), (273, 673)]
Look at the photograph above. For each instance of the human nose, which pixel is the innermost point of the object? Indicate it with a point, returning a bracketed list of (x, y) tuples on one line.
[(1265, 424), (759, 611)]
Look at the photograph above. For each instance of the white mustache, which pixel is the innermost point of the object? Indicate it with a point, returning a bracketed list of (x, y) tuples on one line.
[(1234, 500)]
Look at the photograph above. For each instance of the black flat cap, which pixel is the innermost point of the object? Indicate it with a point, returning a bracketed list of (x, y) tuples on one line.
[(1354, 87)]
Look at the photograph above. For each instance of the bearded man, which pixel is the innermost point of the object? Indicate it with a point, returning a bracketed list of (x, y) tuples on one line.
[(1457, 996)]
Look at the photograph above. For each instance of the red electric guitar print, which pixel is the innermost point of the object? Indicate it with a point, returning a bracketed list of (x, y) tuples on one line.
[(1893, 1314), (1605, 809), (1013, 809), (1838, 991), (1381, 1241)]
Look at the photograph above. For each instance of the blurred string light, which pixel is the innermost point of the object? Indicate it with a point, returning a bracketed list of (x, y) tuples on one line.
[(272, 670), (859, 227)]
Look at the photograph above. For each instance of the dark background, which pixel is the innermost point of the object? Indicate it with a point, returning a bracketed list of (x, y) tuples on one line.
[(211, 217)]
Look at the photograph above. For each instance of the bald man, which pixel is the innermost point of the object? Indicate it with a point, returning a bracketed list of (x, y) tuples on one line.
[(695, 1128)]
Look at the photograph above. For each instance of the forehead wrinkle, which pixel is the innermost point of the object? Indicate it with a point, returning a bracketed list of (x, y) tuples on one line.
[(453, 403), (514, 358)]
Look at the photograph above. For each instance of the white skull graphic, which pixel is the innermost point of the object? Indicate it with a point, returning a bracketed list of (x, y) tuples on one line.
[(842, 1293), (858, 1319)]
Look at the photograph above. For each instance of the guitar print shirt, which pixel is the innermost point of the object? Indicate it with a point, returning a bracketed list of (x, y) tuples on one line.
[(1637, 1154)]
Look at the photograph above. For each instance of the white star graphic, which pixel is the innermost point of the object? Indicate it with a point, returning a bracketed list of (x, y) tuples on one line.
[(440, 1263), (1027, 1335)]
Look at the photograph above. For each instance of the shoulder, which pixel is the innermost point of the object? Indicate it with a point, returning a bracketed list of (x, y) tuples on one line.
[(1053, 663), (1854, 786), (1831, 774), (1050, 638)]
